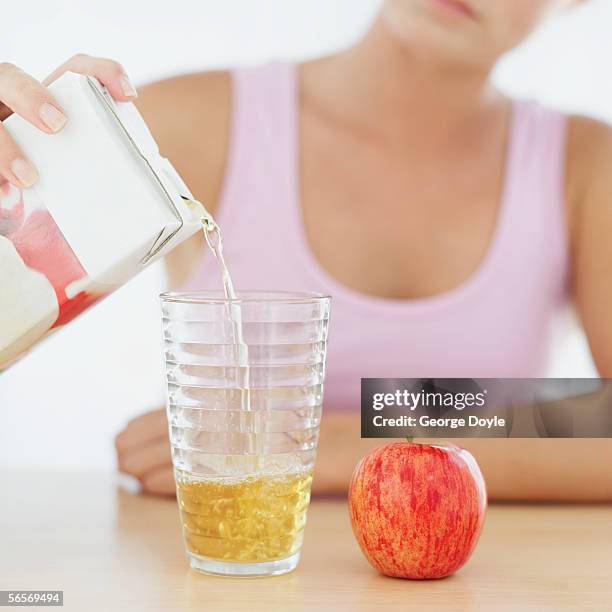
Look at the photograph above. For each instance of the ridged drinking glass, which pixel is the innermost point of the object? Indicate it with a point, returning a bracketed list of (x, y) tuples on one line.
[(244, 424)]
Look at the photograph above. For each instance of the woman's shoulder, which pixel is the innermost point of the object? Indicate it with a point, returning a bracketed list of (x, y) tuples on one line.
[(189, 116), (589, 166), (589, 144)]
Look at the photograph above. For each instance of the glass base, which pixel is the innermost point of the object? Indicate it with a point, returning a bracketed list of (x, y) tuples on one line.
[(234, 568)]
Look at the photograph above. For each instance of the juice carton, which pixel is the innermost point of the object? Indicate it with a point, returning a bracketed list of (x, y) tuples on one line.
[(105, 206)]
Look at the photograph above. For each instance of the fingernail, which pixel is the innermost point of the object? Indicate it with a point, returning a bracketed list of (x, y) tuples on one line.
[(24, 171), (128, 89), (53, 118)]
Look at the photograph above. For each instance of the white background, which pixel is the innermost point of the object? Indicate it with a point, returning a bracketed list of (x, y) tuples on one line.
[(62, 405)]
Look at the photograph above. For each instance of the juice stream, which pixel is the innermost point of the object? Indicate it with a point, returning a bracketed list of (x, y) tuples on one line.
[(257, 516), (214, 240)]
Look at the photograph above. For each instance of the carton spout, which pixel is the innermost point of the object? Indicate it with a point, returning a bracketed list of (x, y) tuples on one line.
[(200, 211), (212, 233)]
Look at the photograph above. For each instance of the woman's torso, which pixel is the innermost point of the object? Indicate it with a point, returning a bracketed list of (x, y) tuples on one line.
[(495, 323)]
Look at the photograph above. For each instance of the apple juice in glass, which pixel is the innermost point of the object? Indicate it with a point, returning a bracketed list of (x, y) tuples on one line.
[(245, 387)]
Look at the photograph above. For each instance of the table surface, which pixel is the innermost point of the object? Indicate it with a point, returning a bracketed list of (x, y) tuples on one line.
[(113, 550)]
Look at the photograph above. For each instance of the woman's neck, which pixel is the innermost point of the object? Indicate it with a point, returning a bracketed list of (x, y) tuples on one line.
[(384, 86)]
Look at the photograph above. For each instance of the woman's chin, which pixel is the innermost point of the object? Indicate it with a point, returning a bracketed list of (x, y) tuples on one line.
[(437, 42)]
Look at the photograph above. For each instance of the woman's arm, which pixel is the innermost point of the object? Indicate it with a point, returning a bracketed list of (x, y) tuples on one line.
[(589, 192), (514, 469)]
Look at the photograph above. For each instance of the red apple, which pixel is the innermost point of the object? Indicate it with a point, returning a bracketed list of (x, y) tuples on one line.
[(417, 510)]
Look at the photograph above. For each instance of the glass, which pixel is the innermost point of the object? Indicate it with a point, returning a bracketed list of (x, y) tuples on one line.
[(244, 423)]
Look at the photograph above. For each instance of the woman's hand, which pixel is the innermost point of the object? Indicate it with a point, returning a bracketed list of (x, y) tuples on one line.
[(143, 451), (22, 94)]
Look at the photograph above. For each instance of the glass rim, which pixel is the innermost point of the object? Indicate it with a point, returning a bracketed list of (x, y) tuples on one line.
[(247, 297)]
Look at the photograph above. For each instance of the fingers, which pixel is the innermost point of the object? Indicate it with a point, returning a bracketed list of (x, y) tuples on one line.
[(25, 96), (159, 482), (22, 94), (142, 460), (143, 451), (109, 72), (14, 165), (145, 428), (143, 445)]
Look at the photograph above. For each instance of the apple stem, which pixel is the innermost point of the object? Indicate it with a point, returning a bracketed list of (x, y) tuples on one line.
[(409, 439)]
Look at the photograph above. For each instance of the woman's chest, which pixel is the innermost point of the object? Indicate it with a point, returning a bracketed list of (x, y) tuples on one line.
[(397, 226)]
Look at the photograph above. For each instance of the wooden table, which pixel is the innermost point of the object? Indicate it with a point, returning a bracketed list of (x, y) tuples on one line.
[(111, 550)]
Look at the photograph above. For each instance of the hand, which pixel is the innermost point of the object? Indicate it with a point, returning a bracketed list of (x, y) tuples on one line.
[(22, 94), (143, 451)]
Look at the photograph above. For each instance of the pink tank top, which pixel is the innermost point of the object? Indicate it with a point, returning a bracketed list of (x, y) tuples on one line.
[(495, 324)]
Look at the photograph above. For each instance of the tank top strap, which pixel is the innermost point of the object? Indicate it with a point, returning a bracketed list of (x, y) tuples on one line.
[(260, 171), (536, 178)]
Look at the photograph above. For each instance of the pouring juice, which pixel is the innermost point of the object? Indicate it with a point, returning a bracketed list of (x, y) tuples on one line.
[(245, 384)]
